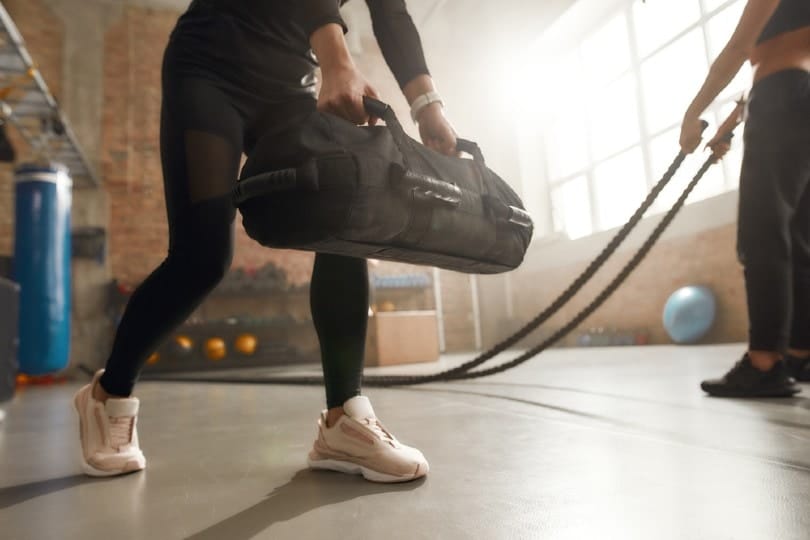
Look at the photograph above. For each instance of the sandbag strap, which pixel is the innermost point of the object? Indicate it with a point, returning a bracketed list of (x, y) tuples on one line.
[(420, 219), (378, 109)]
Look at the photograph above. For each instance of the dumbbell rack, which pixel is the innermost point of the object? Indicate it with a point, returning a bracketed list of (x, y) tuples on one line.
[(33, 111)]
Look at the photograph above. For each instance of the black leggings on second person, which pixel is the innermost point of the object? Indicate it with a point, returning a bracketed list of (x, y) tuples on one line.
[(205, 126), (774, 220)]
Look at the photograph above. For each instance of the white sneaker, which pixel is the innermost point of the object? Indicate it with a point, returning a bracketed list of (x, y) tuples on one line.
[(359, 444), (108, 433)]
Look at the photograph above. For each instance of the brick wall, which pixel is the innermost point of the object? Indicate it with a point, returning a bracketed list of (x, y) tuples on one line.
[(707, 258), (130, 154), (43, 33)]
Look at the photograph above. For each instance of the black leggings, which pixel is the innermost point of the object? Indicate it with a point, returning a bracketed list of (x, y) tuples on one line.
[(774, 220), (206, 124)]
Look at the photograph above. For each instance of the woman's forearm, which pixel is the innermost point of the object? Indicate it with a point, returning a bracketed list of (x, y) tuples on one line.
[(330, 48), (342, 85), (721, 73), (399, 39), (738, 49)]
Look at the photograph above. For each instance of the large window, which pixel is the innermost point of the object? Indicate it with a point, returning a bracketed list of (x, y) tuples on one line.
[(618, 99)]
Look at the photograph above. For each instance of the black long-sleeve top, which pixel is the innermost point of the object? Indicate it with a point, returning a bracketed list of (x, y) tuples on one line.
[(268, 40), (393, 27), (789, 15)]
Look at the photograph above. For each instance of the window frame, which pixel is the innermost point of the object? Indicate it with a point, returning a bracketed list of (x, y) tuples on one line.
[(625, 10)]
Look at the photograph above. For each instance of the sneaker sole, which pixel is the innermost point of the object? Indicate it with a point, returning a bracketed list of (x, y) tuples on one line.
[(788, 392), (88, 469), (369, 474)]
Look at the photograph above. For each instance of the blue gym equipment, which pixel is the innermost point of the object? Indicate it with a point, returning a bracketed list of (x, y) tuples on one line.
[(42, 266), (689, 313)]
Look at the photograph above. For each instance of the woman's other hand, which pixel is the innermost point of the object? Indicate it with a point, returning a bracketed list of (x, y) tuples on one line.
[(721, 142), (434, 128), (436, 131), (719, 147)]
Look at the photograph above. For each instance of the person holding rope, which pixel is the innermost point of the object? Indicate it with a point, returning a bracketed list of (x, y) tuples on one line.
[(233, 71), (773, 240)]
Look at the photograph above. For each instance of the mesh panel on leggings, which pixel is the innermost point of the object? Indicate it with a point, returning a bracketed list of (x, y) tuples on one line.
[(212, 162)]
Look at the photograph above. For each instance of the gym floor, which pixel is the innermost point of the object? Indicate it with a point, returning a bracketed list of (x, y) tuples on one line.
[(576, 444)]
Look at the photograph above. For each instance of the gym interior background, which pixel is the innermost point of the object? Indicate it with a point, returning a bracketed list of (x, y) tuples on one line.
[(102, 62), (576, 103)]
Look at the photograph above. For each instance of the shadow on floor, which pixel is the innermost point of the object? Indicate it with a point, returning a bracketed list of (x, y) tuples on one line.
[(11, 495), (306, 491), (797, 401)]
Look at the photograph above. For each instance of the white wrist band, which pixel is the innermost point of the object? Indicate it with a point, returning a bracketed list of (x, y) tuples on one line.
[(423, 101)]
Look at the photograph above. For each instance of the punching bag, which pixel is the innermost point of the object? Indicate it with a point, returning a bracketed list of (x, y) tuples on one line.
[(42, 266)]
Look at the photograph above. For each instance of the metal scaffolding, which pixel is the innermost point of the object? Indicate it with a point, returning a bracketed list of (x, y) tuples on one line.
[(31, 108)]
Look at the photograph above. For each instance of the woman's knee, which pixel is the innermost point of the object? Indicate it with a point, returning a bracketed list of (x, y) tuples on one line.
[(217, 269), (205, 243), (212, 262), (201, 271)]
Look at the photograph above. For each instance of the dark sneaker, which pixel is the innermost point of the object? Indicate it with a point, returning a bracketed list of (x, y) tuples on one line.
[(744, 380), (798, 368)]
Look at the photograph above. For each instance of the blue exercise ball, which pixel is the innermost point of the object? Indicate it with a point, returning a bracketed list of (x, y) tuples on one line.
[(689, 313)]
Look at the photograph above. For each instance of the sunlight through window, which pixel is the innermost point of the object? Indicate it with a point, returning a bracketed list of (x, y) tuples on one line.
[(614, 118), (658, 21), (620, 187), (670, 78), (571, 208), (606, 54), (613, 110)]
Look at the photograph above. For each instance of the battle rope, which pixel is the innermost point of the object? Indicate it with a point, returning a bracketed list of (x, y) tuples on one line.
[(464, 371), (607, 292)]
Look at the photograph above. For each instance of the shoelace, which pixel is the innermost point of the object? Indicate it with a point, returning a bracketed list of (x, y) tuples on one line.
[(121, 430), (380, 430)]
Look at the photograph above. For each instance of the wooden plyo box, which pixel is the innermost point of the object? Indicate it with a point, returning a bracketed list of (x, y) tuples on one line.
[(402, 337)]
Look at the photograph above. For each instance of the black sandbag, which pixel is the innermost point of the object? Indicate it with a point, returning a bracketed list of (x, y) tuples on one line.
[(327, 185)]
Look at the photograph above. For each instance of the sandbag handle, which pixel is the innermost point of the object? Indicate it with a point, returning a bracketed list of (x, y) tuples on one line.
[(506, 213), (469, 147), (426, 187), (277, 181), (378, 109)]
